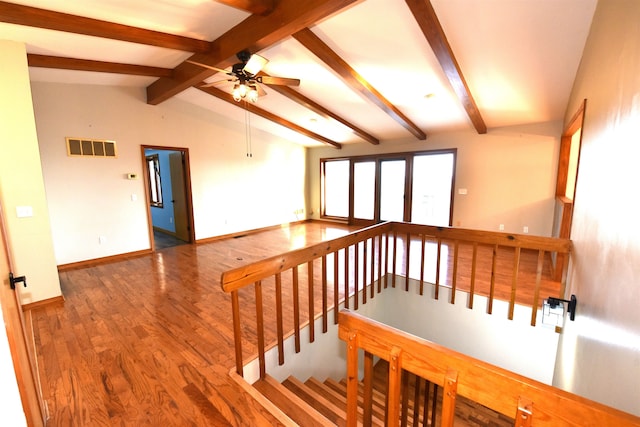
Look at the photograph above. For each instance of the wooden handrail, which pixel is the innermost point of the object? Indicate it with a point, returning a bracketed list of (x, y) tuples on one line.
[(496, 388), (249, 274), (370, 256)]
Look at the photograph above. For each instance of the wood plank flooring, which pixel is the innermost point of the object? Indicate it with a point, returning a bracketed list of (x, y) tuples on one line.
[(149, 340)]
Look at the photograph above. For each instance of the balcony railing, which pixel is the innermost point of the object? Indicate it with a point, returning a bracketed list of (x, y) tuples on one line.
[(527, 401), (512, 267)]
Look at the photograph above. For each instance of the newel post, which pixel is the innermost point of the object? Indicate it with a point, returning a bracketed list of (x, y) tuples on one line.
[(352, 379)]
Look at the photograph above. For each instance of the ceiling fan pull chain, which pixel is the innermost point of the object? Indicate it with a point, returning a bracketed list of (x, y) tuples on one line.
[(247, 121)]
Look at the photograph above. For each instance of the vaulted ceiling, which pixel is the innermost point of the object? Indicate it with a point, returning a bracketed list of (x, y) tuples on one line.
[(370, 70)]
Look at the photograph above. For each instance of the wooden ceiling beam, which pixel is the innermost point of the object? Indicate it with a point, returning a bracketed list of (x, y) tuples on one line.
[(254, 33), (310, 104), (47, 61), (258, 7), (319, 48), (426, 17), (269, 116), (41, 18)]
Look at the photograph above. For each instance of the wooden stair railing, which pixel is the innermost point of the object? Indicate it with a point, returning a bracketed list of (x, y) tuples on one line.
[(378, 255), (528, 401)]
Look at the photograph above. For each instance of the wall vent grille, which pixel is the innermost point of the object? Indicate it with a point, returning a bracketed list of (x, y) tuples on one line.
[(91, 147)]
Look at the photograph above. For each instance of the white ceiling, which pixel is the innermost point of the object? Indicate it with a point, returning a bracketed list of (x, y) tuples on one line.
[(519, 58)]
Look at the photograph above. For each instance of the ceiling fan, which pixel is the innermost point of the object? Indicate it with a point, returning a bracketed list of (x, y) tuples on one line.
[(243, 75)]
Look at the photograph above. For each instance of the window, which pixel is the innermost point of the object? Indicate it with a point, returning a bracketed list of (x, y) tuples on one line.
[(335, 182), (155, 187)]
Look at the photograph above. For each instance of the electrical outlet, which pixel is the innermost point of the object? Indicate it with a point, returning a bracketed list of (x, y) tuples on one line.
[(501, 227), (525, 229), (102, 239)]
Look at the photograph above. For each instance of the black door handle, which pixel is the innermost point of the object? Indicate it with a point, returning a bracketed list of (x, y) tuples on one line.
[(13, 280)]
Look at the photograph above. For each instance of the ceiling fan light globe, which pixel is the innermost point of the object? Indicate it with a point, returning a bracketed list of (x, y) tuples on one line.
[(253, 95), (243, 89), (236, 93)]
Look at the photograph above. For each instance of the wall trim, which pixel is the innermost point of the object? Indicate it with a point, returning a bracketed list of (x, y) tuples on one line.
[(103, 260), (45, 302), (246, 232)]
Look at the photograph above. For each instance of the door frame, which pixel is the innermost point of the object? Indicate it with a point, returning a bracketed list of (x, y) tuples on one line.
[(187, 189), (20, 346)]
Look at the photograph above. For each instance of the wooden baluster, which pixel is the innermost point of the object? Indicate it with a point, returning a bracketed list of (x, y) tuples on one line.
[(416, 401), (367, 398), (407, 258), (237, 331), (356, 274), (394, 259), (492, 288), (352, 380), (422, 256), (514, 282), (437, 289), (346, 277), (380, 263), (405, 399), (536, 292), (434, 405), (425, 403), (449, 398), (454, 274), (336, 287), (312, 326), (279, 328), (386, 260), (393, 388), (524, 415), (373, 264), (364, 272), (260, 327), (325, 320), (472, 285), (296, 308)]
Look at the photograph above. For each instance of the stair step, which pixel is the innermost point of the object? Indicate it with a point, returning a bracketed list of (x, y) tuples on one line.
[(340, 399), (319, 402), (293, 406), (378, 408)]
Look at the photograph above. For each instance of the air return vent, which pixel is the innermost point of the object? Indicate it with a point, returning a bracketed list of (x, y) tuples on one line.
[(91, 147)]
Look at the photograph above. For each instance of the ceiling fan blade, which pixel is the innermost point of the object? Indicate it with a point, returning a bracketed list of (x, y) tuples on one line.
[(255, 64), (261, 90), (220, 70), (270, 80)]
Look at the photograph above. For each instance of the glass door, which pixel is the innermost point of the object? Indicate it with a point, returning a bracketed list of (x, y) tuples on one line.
[(432, 189), (392, 190), (364, 192)]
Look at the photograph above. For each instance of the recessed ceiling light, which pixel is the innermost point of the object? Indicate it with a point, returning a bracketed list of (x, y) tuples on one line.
[(429, 95), (313, 120)]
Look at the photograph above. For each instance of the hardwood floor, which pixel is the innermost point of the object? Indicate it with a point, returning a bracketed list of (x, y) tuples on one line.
[(149, 340)]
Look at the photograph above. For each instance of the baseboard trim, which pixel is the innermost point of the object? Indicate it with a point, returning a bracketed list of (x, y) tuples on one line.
[(44, 302), (104, 260), (246, 232)]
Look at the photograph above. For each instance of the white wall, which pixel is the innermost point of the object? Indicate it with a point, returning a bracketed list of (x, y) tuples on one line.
[(599, 355), (509, 174), (90, 197), (514, 345)]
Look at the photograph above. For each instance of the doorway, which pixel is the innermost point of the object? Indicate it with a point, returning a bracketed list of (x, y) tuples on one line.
[(566, 181), (167, 178)]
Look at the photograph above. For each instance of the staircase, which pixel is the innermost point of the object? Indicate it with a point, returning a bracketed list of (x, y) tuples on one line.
[(316, 403)]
